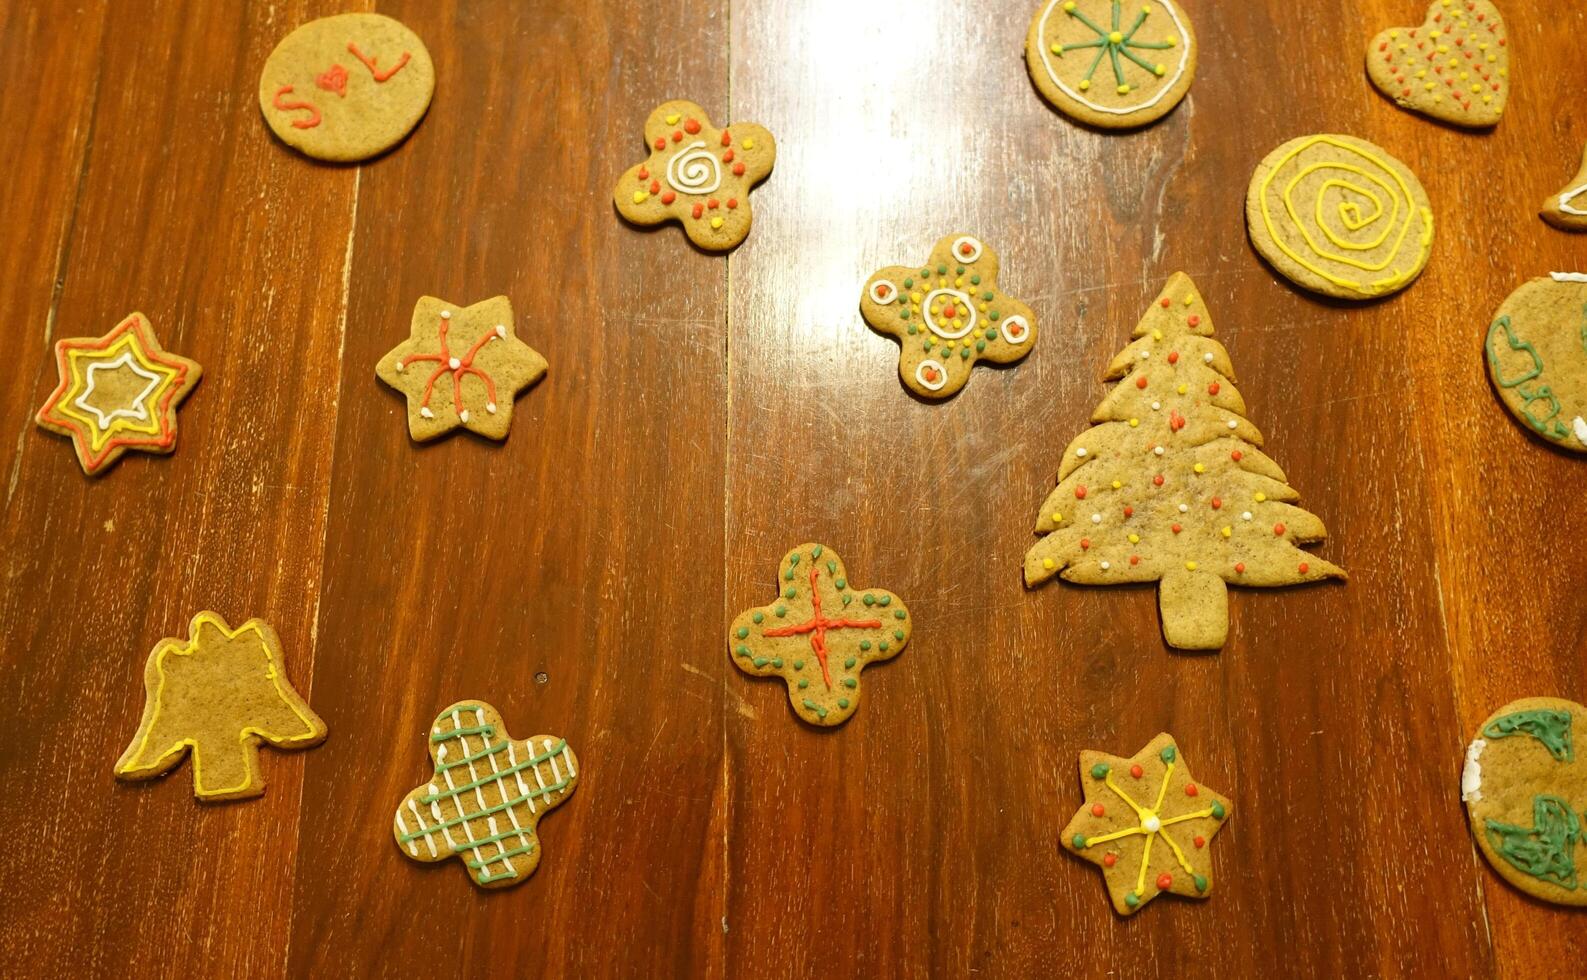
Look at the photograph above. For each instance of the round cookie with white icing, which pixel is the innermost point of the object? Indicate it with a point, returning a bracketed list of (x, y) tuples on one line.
[(1525, 789), (1112, 63), (1536, 352)]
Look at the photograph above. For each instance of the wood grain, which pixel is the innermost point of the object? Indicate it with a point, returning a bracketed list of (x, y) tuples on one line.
[(701, 416)]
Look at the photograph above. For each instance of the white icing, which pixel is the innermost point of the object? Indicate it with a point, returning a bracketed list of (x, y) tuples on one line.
[(1081, 452), (920, 375), (1158, 450), (1207, 357), (1580, 425), (454, 363), (891, 296), (424, 410), (463, 415), (446, 314), (966, 240), (1167, 86), (1106, 566), (1152, 824), (958, 300), (1096, 518), (501, 330), (1569, 196), (1184, 508), (139, 411), (1024, 333), (1568, 276), (1245, 515), (1233, 424), (695, 170), (1471, 776)]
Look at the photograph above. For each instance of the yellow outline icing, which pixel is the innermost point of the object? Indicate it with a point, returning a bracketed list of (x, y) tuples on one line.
[(67, 403), (172, 756), (1377, 286)]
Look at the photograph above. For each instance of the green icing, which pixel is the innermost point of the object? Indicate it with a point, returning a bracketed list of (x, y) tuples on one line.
[(815, 552), (1201, 883), (1550, 727), (964, 353), (849, 663), (870, 600), (899, 614), (790, 592), (843, 702), (1218, 811), (975, 280), (1099, 771), (1168, 754), (1079, 841), (803, 684), (758, 617), (777, 662), (850, 682), (759, 661), (781, 611), (980, 345), (865, 644), (743, 631), (1548, 426), (882, 646), (898, 634), (841, 583), (1542, 850), (799, 665), (1132, 900), (742, 651), (885, 600)]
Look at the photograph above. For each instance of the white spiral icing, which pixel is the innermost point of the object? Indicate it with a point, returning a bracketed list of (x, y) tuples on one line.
[(695, 170)]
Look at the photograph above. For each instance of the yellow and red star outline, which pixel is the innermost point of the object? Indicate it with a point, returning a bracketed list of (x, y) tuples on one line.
[(147, 423)]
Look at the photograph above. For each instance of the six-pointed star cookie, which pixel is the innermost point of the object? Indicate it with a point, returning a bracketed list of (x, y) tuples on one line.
[(461, 367), (1145, 822), (697, 175), (819, 634), (117, 392), (486, 796), (948, 314)]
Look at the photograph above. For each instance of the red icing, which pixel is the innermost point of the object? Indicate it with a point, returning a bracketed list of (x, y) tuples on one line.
[(713, 203), (1278, 528), (1240, 567), (1176, 528), (655, 186), (691, 126), (289, 106), (1110, 859), (1304, 568), (668, 197), (380, 76), (1085, 543), (1080, 493), (1200, 841), (1194, 321), (1140, 382), (1212, 389), (1236, 455), (1135, 559), (1164, 881), (1216, 503), (644, 173), (727, 157), (1173, 357), (1129, 511), (661, 142), (1165, 302), (1137, 771), (677, 136), (1191, 790), (333, 79), (1157, 480), (732, 203), (727, 140), (1097, 810), (699, 209), (465, 365), (818, 625), (738, 170)]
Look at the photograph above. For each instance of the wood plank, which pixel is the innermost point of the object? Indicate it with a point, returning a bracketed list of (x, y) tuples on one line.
[(567, 576), (234, 249)]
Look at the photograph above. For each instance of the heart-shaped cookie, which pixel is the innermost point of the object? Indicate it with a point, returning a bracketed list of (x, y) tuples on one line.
[(1455, 67)]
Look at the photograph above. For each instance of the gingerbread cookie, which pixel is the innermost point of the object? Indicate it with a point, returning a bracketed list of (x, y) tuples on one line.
[(117, 393), (220, 694), (346, 87), (948, 314), (461, 368), (486, 796), (1339, 216), (1455, 67), (1536, 351), (1169, 485), (1525, 790), (819, 634), (1146, 822), (1567, 210), (697, 175), (1111, 64)]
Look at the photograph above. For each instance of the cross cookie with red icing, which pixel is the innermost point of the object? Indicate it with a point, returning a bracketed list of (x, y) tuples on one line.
[(461, 367), (947, 314), (1455, 67), (819, 634), (697, 175)]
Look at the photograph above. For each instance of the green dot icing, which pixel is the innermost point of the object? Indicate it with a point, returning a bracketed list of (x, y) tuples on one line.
[(1545, 850), (980, 345), (850, 682), (925, 273), (898, 614), (758, 617), (803, 683), (865, 644), (1550, 727), (1218, 811), (885, 600), (1201, 883), (882, 646), (898, 635), (843, 702), (781, 611), (960, 272), (975, 280), (799, 665), (842, 583), (904, 315), (964, 353), (847, 598), (1168, 754), (987, 297), (870, 600), (849, 663), (759, 661), (1079, 841), (1132, 900), (1099, 771), (742, 651), (815, 552), (909, 283), (993, 315), (927, 345), (788, 575), (790, 592), (942, 270), (743, 631)]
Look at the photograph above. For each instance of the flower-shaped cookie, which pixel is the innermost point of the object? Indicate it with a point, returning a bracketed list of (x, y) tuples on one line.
[(697, 175), (819, 634), (486, 796), (1145, 822), (948, 314)]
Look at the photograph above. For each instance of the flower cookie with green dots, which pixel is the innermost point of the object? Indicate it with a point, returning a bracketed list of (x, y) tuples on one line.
[(1525, 789), (819, 634), (1147, 824), (1112, 63), (947, 314)]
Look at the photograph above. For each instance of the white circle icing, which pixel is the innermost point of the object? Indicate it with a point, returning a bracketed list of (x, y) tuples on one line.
[(959, 299), (920, 374)]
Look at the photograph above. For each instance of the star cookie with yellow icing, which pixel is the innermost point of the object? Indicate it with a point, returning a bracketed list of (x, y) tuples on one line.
[(1146, 823), (697, 175), (117, 393), (461, 367)]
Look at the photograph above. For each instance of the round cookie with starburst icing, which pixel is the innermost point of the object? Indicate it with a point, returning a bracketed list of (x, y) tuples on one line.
[(1112, 63), (1525, 789)]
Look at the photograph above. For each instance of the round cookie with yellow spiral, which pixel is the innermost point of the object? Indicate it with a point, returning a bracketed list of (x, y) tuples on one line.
[(1339, 216)]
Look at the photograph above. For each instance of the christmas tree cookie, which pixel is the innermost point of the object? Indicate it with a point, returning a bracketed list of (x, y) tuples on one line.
[(219, 694), (486, 797), (117, 393), (948, 313), (1109, 63), (1525, 789), (1169, 486), (819, 635), (697, 175), (1146, 823), (461, 367), (1567, 210), (1455, 67), (1536, 351), (1339, 216)]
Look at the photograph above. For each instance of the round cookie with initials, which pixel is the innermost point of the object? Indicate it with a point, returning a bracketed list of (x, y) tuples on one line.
[(1525, 790), (1111, 63), (347, 87), (1536, 352)]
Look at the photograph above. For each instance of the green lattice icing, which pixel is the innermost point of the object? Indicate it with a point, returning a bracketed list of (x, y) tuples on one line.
[(1544, 850), (1545, 422), (1548, 726)]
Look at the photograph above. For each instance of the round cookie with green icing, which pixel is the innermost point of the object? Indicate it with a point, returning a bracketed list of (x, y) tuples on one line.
[(1112, 63), (1525, 789), (1536, 351)]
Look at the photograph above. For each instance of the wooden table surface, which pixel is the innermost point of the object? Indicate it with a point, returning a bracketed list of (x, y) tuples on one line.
[(701, 416)]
